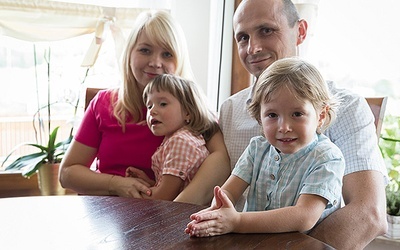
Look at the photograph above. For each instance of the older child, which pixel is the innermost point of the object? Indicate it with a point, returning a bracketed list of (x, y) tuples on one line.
[(178, 111), (294, 172)]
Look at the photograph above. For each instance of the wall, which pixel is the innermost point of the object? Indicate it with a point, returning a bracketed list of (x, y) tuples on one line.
[(202, 23)]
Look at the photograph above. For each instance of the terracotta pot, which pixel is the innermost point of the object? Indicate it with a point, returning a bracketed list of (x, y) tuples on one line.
[(48, 180), (393, 227)]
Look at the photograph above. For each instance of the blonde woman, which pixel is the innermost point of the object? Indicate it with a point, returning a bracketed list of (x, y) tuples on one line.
[(112, 129)]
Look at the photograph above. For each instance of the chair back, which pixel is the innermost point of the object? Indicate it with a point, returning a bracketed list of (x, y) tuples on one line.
[(378, 107), (90, 93)]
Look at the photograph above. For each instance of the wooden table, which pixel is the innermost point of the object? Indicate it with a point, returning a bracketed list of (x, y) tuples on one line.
[(101, 222)]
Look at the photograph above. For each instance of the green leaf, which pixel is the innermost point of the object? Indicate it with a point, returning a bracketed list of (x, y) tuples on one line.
[(32, 162), (26, 160), (31, 169)]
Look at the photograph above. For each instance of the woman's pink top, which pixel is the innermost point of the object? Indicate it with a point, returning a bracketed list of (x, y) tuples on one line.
[(116, 150)]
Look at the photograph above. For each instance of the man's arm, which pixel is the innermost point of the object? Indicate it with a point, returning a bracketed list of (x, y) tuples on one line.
[(362, 218)]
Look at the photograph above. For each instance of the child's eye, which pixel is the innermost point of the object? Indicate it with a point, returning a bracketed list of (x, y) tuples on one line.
[(297, 114), (163, 104), (149, 106), (272, 115)]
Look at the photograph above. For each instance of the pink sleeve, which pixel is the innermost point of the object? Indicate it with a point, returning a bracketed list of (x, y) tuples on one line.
[(88, 132)]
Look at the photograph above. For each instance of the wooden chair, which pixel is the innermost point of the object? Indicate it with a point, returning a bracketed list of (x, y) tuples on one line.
[(378, 107), (90, 93)]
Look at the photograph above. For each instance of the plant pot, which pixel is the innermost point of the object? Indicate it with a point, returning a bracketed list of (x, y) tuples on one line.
[(48, 180), (393, 231)]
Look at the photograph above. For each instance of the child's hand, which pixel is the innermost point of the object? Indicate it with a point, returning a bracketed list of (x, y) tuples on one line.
[(137, 173), (220, 218)]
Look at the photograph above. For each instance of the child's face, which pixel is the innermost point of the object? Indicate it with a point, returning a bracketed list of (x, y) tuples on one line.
[(288, 123), (164, 113)]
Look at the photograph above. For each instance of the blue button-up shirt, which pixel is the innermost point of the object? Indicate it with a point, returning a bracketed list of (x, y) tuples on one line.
[(277, 180)]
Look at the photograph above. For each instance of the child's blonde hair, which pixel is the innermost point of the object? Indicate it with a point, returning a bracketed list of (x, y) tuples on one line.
[(202, 121), (302, 79)]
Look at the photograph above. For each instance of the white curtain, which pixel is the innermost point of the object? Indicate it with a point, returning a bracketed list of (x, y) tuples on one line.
[(43, 20)]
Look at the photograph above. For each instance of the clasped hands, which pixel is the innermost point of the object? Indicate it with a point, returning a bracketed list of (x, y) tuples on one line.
[(220, 218)]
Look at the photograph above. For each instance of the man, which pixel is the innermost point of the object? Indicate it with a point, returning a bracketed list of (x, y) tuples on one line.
[(265, 31)]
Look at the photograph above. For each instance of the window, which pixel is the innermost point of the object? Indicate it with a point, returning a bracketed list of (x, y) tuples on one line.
[(25, 74), (355, 43), (27, 66)]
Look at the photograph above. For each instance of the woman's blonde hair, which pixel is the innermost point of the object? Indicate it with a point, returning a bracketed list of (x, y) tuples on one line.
[(202, 121), (164, 31), (302, 79)]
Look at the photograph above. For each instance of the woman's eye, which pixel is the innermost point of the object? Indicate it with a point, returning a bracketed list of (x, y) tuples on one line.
[(144, 51), (167, 55)]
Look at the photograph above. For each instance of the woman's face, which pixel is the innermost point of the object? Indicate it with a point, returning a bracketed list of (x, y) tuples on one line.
[(149, 60)]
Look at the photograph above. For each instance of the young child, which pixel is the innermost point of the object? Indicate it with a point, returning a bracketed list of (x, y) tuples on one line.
[(294, 172), (178, 111)]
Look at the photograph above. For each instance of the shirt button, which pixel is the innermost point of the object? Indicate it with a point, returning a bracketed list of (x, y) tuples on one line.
[(272, 176), (334, 202), (276, 158), (180, 173)]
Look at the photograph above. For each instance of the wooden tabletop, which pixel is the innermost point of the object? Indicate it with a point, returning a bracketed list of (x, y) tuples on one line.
[(102, 222)]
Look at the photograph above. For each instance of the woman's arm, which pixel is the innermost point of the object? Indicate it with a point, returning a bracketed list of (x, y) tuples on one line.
[(75, 174), (213, 172)]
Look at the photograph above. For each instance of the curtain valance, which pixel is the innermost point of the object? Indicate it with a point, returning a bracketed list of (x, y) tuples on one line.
[(43, 20)]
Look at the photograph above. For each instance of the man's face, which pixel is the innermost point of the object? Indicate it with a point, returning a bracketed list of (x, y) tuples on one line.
[(263, 35)]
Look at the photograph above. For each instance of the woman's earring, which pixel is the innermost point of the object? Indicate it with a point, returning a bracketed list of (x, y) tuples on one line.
[(319, 130), (187, 121)]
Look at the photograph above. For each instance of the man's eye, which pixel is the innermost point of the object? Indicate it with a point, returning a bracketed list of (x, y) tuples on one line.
[(266, 31), (242, 38)]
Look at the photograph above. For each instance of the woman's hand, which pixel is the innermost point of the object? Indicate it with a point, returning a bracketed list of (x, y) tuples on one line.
[(129, 187), (220, 218)]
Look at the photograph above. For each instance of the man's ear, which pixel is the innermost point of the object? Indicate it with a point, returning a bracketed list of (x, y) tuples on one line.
[(302, 31)]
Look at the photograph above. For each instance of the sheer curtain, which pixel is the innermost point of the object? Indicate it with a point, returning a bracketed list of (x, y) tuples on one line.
[(42, 20)]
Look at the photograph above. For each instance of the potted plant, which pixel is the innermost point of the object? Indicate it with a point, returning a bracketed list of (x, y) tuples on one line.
[(46, 161), (390, 149)]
